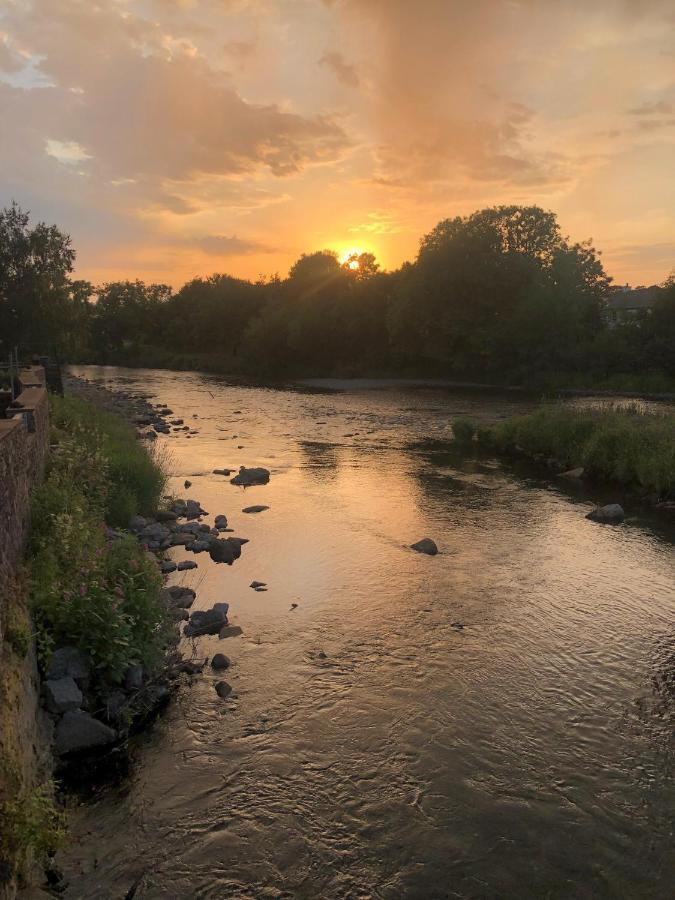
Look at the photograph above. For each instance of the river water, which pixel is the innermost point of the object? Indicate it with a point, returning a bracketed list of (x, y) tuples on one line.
[(372, 748)]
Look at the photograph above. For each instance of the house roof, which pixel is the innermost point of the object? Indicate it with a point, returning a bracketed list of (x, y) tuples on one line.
[(639, 298)]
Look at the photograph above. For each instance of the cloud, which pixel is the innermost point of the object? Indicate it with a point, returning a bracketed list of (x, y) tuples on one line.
[(343, 71), (221, 245), (654, 108)]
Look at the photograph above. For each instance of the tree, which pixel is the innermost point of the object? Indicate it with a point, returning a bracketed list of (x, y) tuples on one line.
[(34, 268)]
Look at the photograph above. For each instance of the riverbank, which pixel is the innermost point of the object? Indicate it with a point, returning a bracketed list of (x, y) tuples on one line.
[(626, 446)]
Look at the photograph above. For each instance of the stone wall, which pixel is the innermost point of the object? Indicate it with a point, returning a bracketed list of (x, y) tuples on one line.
[(24, 445), (24, 728)]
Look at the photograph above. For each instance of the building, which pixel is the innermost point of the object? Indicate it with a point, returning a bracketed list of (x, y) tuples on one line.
[(627, 303)]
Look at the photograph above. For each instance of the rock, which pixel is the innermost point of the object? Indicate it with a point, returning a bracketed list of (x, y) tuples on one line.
[(611, 514), (187, 484), (166, 515), (229, 631), (573, 474), (222, 471), (176, 421), (61, 695), (426, 545), (247, 477), (198, 546), (154, 531), (182, 537), (167, 566), (220, 661), (238, 541), (294, 605), (223, 689), (258, 584), (137, 523), (185, 565), (224, 550), (193, 509), (133, 678), (255, 509), (114, 705), (207, 621), (69, 661), (191, 668), (77, 731)]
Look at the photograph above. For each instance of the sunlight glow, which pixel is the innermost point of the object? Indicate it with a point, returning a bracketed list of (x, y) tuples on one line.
[(348, 253)]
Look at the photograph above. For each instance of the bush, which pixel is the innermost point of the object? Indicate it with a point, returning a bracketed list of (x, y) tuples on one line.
[(623, 444), (31, 827), (463, 430), (97, 594)]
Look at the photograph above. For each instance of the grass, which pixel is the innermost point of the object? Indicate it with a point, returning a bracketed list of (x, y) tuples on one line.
[(100, 595), (625, 445), (31, 828), (132, 477)]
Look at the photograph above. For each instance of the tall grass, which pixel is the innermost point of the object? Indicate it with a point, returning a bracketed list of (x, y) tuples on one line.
[(100, 595), (133, 479), (628, 445)]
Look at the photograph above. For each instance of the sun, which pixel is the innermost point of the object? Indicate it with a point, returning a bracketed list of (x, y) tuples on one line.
[(349, 257)]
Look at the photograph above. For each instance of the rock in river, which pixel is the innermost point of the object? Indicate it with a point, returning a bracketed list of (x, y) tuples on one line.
[(255, 509), (611, 514), (207, 621), (220, 661), (426, 545), (77, 730), (225, 550), (223, 689), (247, 477)]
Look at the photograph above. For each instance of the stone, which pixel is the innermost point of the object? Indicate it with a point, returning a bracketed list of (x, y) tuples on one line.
[(185, 565), (61, 695), (191, 668), (255, 509), (220, 661), (187, 484), (69, 661), (182, 537), (207, 621), (222, 471), (193, 509), (426, 545), (229, 631), (166, 515), (137, 523), (77, 731), (247, 477), (574, 474), (222, 551), (258, 584), (133, 678), (155, 531), (198, 546), (611, 514), (166, 566), (223, 689)]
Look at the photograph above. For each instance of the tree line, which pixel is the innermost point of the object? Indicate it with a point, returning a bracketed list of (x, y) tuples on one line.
[(499, 295)]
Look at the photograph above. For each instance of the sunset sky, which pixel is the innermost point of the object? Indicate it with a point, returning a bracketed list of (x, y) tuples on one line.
[(174, 138)]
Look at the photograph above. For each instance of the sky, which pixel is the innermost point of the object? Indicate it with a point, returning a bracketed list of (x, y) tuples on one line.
[(178, 138)]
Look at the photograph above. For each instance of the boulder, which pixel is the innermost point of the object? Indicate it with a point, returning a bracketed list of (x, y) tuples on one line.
[(255, 509), (224, 551), (166, 566), (220, 661), (229, 631), (155, 531), (426, 545), (258, 584), (207, 621), (77, 731), (137, 523), (573, 474), (197, 546), (61, 695), (247, 477), (69, 661), (166, 515), (222, 471), (185, 565), (193, 509), (223, 689), (611, 514)]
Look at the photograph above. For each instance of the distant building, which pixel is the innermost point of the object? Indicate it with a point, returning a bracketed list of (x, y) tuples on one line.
[(631, 303)]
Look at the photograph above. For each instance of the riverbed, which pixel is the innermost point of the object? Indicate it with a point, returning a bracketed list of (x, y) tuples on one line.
[(496, 721)]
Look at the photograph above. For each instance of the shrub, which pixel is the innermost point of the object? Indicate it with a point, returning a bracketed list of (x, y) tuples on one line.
[(624, 444), (97, 594), (31, 827), (463, 430)]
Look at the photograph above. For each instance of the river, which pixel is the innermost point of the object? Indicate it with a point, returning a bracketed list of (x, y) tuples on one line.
[(373, 747)]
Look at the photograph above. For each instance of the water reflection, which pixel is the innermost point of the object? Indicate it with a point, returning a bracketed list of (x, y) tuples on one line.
[(372, 747)]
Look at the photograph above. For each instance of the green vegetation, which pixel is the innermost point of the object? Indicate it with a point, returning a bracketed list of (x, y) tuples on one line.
[(31, 827), (463, 430), (626, 445), (499, 296), (98, 594)]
